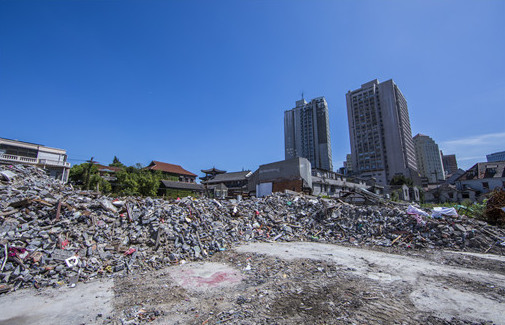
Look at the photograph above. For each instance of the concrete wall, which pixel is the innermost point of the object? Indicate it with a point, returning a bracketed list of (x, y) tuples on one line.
[(477, 184)]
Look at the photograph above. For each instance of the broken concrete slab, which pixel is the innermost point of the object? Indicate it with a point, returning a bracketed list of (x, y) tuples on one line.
[(424, 277), (88, 303)]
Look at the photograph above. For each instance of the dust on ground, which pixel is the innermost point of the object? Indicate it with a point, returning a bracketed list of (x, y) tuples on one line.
[(300, 282)]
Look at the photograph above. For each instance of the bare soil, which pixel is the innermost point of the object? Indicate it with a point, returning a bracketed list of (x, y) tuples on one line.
[(311, 283)]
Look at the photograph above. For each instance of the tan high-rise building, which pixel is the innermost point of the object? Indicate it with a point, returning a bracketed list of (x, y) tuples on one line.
[(380, 133), (429, 159)]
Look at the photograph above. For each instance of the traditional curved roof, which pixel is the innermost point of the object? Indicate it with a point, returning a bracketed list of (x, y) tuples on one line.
[(213, 171)]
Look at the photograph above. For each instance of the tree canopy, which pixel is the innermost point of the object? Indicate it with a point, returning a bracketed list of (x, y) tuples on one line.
[(132, 180), (400, 180)]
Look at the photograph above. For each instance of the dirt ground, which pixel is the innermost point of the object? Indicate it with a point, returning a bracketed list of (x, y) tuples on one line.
[(283, 283), (312, 283)]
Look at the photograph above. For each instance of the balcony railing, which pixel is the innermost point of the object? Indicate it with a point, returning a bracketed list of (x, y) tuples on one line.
[(34, 161)]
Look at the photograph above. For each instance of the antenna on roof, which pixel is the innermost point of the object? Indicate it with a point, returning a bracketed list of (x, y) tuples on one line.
[(302, 94)]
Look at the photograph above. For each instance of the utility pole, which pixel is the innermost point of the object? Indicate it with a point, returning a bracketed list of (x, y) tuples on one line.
[(90, 164)]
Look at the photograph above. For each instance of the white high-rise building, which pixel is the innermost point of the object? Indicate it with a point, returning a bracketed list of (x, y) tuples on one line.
[(307, 133), (429, 159), (380, 134)]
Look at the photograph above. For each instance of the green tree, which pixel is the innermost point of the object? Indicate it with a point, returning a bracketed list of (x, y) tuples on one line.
[(136, 181), (97, 182), (79, 173), (127, 183), (400, 180), (117, 163), (79, 176)]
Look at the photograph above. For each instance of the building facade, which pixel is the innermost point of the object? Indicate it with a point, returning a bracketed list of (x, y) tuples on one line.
[(293, 175), (483, 177), (450, 164), (307, 133), (380, 133), (172, 172), (328, 183), (53, 160), (497, 156), (228, 184), (429, 159)]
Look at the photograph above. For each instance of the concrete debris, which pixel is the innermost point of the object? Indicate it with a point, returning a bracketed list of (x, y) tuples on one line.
[(53, 235)]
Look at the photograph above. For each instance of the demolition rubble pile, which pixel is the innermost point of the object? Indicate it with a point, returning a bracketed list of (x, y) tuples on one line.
[(52, 234)]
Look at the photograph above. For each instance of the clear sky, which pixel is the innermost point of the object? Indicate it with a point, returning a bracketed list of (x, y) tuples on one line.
[(205, 83)]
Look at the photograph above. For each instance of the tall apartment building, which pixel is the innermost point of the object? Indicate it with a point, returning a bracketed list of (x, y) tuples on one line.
[(307, 133), (429, 159), (380, 134), (450, 164)]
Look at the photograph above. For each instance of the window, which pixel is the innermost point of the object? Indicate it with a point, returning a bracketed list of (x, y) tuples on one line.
[(485, 185)]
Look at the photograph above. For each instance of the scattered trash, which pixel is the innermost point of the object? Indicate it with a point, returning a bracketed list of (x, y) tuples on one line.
[(440, 212), (72, 261), (417, 214)]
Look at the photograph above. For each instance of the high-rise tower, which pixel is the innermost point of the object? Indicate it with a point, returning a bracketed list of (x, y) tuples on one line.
[(380, 134), (429, 158), (307, 133)]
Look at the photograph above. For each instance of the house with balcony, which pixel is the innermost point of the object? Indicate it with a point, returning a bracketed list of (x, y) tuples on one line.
[(53, 160)]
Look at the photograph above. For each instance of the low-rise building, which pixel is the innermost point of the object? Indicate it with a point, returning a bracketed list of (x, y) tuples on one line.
[(228, 184), (292, 174), (177, 181), (328, 183), (172, 172), (53, 160), (174, 189), (483, 177), (447, 193)]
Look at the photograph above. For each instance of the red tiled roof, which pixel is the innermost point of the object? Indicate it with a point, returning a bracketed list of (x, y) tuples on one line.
[(169, 168), (102, 167)]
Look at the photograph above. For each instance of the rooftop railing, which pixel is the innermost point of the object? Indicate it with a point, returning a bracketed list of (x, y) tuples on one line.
[(33, 161)]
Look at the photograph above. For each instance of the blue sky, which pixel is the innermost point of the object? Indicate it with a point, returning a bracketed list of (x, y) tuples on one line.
[(205, 83)]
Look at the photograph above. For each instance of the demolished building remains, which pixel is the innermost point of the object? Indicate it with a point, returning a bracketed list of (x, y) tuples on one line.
[(54, 235)]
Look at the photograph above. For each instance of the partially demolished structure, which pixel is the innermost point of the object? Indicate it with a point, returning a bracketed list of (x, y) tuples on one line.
[(53, 235)]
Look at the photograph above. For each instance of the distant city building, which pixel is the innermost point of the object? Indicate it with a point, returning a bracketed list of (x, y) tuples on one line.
[(497, 156), (307, 133), (348, 164), (53, 160), (450, 164), (429, 159), (380, 133)]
